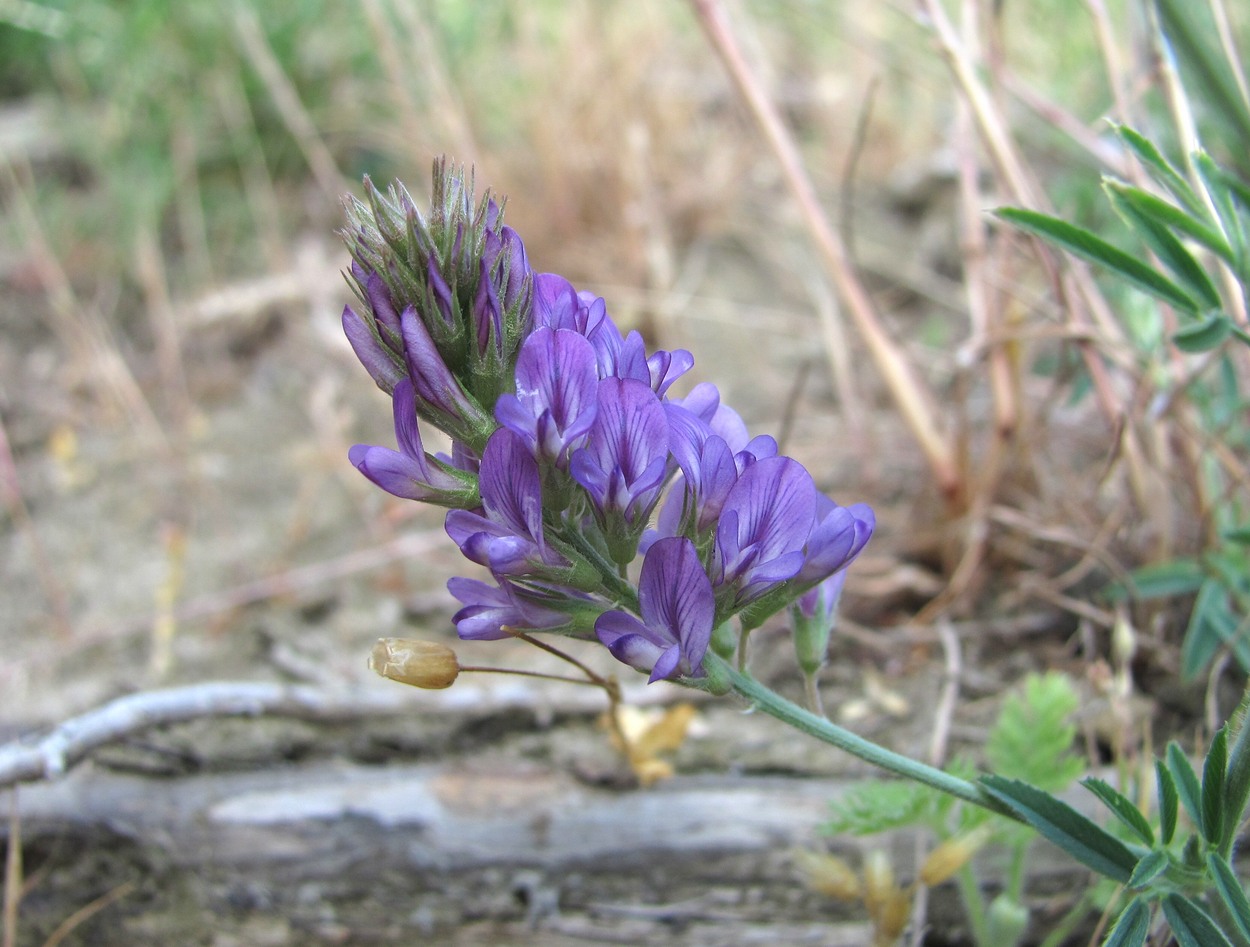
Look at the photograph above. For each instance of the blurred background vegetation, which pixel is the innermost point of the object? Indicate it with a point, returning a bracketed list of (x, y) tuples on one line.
[(165, 167)]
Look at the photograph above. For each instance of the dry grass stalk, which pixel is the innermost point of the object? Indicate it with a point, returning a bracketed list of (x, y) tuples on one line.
[(907, 389), (256, 49)]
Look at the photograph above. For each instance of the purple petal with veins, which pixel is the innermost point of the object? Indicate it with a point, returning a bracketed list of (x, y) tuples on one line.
[(678, 608), (764, 524), (556, 399)]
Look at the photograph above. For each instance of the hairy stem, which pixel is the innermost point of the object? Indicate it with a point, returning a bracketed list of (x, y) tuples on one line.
[(823, 729)]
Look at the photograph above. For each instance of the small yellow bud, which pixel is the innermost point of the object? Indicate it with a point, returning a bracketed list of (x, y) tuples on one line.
[(419, 663), (945, 860), (828, 875)]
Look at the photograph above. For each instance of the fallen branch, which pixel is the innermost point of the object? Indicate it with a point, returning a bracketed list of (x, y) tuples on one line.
[(75, 739)]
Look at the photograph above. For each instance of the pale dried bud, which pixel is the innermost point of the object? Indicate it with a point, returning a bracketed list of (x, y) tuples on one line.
[(878, 881), (828, 875), (419, 663), (949, 857)]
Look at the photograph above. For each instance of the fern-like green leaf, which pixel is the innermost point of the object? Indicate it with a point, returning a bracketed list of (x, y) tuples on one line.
[(879, 806), (1032, 740)]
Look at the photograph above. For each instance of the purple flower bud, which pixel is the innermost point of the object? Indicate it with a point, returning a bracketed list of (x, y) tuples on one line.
[(839, 535), (678, 608), (410, 472), (764, 525), (556, 394), (379, 359), (508, 538), (438, 395), (492, 612)]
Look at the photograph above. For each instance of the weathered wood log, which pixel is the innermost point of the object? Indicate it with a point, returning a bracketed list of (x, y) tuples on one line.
[(525, 841)]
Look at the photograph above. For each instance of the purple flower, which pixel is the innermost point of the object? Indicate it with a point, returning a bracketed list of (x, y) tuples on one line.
[(665, 368), (624, 463), (382, 362), (492, 612), (764, 525), (508, 537), (677, 605), (839, 535), (556, 394), (410, 472), (438, 395)]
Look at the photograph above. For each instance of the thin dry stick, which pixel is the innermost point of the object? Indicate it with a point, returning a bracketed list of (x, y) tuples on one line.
[(19, 513), (13, 874), (189, 196), (262, 198), (84, 336), (149, 263), (437, 76), (298, 122), (67, 926), (910, 394), (937, 755)]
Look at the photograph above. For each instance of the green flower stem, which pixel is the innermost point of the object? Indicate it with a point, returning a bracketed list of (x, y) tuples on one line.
[(773, 704)]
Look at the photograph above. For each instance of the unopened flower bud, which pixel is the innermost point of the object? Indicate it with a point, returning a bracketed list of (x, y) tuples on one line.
[(828, 875), (419, 663), (949, 857)]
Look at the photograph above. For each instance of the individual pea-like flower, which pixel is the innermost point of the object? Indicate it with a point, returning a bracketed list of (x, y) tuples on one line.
[(556, 396), (837, 538), (763, 527), (410, 472), (508, 535), (678, 608), (492, 612), (625, 460)]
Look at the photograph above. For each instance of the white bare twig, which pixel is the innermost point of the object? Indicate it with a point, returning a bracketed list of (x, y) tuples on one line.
[(75, 739)]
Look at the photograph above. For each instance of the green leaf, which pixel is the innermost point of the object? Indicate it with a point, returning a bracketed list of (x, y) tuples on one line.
[(1177, 577), (1167, 802), (1123, 808), (1093, 248), (1131, 927), (878, 806), (1186, 783), (1189, 27), (1203, 335), (1150, 867), (1211, 624), (1033, 736), (1160, 168), (1231, 892), (1224, 192), (1192, 926), (1142, 204), (1057, 821), (1238, 534), (1170, 251), (1237, 786), (1214, 770)]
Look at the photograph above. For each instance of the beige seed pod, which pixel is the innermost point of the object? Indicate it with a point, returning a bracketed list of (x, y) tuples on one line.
[(945, 860), (419, 663), (828, 875), (879, 885)]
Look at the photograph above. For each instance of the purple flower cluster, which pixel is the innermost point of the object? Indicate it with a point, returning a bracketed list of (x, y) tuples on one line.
[(570, 456)]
